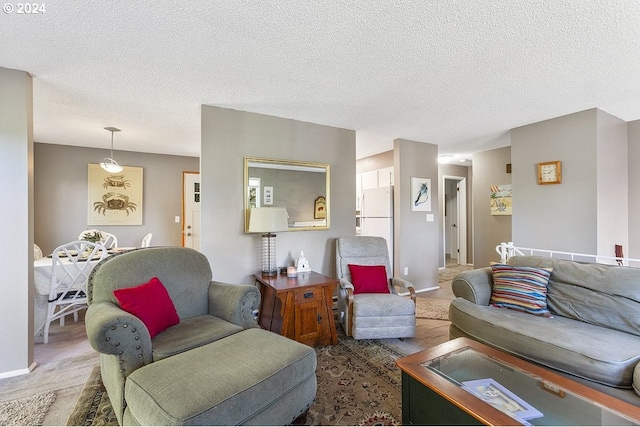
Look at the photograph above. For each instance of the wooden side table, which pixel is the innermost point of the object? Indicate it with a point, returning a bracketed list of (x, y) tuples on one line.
[(299, 308)]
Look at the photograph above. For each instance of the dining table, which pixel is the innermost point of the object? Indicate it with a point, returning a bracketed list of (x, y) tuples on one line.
[(42, 270)]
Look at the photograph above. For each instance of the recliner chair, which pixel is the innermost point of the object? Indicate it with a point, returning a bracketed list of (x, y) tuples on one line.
[(216, 366), (372, 315)]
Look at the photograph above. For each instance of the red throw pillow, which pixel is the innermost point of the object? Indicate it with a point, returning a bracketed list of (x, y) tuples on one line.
[(151, 303), (369, 279)]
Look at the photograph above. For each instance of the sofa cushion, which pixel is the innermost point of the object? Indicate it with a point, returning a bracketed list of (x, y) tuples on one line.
[(603, 295), (191, 333), (520, 288), (596, 353), (151, 303), (369, 279), (228, 382)]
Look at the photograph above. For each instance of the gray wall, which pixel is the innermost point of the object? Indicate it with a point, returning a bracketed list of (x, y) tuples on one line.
[(230, 135), (587, 212), (16, 214), (375, 162), (416, 241), (633, 133), (489, 168), (561, 217), (612, 170), (61, 195)]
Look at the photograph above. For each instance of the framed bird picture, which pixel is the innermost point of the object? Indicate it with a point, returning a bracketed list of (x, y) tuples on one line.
[(420, 194)]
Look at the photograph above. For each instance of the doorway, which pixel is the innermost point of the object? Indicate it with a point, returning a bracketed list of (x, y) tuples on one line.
[(454, 225), (191, 210)]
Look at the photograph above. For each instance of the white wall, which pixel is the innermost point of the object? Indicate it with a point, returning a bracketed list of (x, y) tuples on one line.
[(230, 135), (16, 217)]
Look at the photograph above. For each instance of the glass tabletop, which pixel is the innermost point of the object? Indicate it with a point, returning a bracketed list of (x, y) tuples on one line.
[(527, 398)]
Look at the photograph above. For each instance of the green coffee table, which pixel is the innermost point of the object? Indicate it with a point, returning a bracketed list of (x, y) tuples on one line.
[(463, 382)]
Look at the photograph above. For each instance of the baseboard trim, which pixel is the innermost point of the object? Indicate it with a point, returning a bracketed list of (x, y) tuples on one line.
[(18, 372)]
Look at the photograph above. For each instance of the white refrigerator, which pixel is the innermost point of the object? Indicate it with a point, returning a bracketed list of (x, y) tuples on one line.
[(376, 217)]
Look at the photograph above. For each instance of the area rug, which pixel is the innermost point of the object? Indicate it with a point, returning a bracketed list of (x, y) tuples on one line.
[(28, 411), (432, 308), (358, 384), (93, 407)]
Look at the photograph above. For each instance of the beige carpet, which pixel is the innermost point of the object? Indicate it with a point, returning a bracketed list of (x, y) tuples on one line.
[(28, 411), (451, 271), (432, 308)]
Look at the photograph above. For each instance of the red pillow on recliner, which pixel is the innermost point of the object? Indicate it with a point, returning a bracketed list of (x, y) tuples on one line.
[(369, 279), (151, 303)]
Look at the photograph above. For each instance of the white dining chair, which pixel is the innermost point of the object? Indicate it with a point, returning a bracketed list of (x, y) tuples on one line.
[(146, 241), (70, 268), (37, 252), (109, 241)]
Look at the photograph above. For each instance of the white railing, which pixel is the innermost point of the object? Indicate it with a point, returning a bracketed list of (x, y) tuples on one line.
[(507, 250)]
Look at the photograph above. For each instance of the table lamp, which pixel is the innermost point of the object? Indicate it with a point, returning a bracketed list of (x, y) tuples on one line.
[(268, 221)]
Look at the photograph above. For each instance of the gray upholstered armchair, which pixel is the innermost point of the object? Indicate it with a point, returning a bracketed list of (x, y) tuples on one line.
[(372, 315), (208, 311)]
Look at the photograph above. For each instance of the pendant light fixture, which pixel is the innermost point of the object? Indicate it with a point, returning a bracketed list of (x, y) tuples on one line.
[(109, 164)]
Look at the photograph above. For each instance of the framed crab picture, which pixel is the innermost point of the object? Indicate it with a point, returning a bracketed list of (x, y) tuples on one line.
[(114, 198)]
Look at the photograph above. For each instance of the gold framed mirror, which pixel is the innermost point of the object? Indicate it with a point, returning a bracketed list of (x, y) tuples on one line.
[(300, 187)]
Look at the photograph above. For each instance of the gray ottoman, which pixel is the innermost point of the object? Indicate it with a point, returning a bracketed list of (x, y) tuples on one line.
[(253, 377)]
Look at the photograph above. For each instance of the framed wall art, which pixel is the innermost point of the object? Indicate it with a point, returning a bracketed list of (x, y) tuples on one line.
[(500, 196), (320, 208), (114, 198), (420, 194)]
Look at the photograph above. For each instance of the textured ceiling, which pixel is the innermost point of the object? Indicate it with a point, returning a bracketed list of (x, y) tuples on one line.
[(458, 74)]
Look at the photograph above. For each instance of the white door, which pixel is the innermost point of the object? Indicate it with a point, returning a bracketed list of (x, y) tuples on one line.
[(191, 210), (452, 217), (455, 223)]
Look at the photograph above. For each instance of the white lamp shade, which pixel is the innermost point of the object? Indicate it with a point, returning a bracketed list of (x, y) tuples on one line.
[(111, 165), (268, 220)]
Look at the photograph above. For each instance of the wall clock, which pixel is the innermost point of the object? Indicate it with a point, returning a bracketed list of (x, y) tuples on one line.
[(550, 172)]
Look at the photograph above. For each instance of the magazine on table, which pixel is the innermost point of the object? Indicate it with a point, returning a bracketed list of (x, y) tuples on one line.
[(501, 398)]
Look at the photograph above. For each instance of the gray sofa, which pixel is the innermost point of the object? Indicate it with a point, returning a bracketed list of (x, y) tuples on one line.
[(593, 336), (216, 366)]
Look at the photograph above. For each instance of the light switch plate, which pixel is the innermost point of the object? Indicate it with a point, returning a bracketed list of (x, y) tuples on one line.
[(430, 217)]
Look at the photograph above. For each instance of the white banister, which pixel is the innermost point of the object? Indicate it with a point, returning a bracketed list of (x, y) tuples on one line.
[(507, 249)]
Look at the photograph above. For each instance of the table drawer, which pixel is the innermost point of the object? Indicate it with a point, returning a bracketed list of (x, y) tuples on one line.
[(308, 295)]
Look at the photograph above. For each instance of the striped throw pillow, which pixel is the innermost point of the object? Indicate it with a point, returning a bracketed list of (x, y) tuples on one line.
[(521, 288)]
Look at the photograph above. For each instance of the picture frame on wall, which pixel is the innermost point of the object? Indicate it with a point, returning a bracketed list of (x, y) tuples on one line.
[(500, 199), (320, 208), (114, 198), (420, 194)]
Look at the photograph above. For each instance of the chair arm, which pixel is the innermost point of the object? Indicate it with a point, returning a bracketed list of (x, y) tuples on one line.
[(474, 285), (345, 284), (111, 330), (234, 303), (346, 287), (397, 281), (345, 300)]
